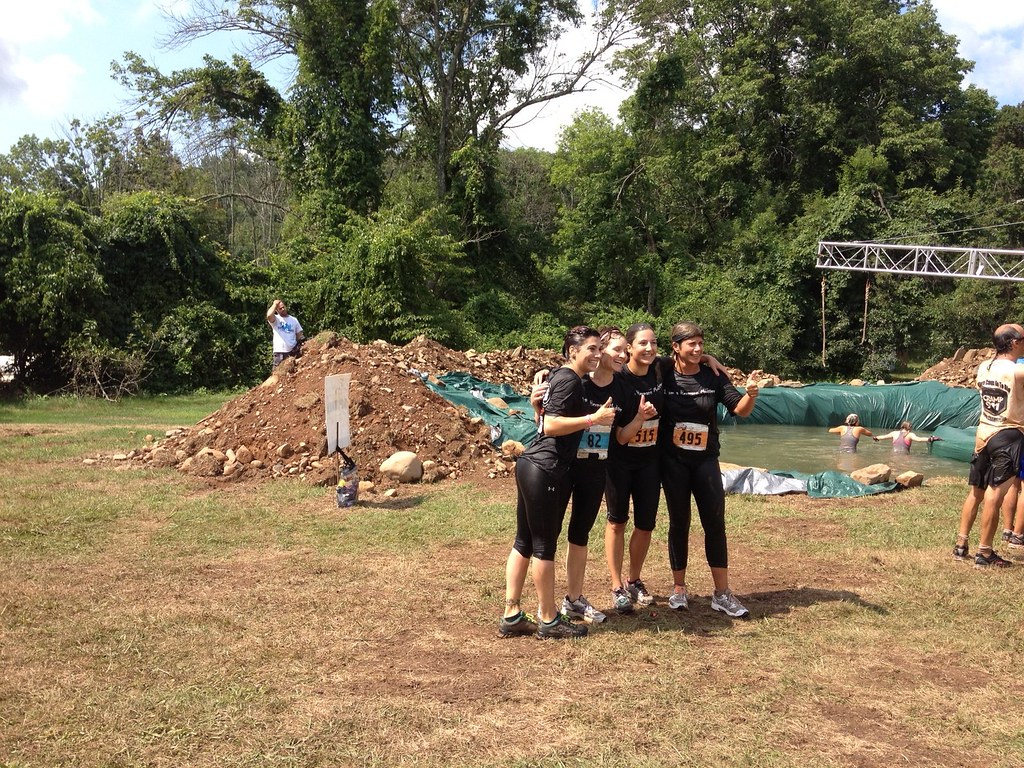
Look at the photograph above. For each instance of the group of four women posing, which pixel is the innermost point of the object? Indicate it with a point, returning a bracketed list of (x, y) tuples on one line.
[(620, 422)]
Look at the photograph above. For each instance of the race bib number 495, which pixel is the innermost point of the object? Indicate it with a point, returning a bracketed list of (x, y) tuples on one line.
[(690, 436)]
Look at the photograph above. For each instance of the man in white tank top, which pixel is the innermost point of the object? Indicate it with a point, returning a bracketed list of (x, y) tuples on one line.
[(996, 460)]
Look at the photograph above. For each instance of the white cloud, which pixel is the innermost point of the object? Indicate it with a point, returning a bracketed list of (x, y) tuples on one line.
[(981, 17), (41, 20), (11, 84), (152, 10), (50, 82)]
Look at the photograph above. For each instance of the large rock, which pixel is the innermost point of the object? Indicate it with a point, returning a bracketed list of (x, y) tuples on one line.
[(403, 466), (910, 479), (163, 457), (875, 473), (205, 465)]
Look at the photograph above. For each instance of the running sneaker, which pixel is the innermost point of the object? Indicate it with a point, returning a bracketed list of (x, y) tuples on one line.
[(727, 603), (639, 594), (580, 608), (1007, 534), (991, 560), (1016, 542), (621, 600), (520, 624), (960, 551), (677, 601), (562, 627)]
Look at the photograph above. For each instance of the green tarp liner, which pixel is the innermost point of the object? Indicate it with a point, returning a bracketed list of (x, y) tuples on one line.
[(949, 412), (471, 393), (925, 404), (822, 485), (833, 484)]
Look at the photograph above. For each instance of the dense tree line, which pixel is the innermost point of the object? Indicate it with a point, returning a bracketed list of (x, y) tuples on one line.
[(376, 196)]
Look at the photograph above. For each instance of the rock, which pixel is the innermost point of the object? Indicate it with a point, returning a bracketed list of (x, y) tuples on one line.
[(497, 402), (88, 462), (285, 450), (205, 465), (243, 455), (512, 449), (231, 468), (875, 473), (959, 355), (307, 401), (391, 493), (162, 458), (403, 466), (856, 382), (910, 479), (120, 457), (218, 455), (365, 486)]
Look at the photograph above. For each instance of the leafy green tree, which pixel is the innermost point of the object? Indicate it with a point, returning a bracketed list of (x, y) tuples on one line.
[(50, 282)]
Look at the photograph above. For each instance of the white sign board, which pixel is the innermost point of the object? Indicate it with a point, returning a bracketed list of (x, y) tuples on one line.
[(336, 409)]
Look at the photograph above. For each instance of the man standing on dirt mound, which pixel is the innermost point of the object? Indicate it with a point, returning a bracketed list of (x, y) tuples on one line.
[(287, 330), (997, 449)]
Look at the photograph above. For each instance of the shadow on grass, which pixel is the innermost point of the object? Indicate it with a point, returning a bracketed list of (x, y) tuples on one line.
[(700, 619)]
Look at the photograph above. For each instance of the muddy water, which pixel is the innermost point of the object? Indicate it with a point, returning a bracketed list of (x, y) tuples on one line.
[(813, 449)]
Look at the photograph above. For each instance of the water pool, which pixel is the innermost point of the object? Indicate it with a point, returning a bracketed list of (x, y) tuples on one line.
[(813, 449)]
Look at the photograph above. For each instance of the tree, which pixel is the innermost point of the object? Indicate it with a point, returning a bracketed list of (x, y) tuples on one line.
[(50, 283)]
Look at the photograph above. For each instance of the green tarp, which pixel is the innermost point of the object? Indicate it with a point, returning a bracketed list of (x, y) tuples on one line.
[(949, 412), (471, 393), (925, 404)]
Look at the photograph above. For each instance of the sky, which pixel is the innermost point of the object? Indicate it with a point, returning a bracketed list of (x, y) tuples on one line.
[(55, 58)]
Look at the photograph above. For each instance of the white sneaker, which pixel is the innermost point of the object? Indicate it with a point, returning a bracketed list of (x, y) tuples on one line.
[(677, 601), (580, 608), (727, 603), (638, 591)]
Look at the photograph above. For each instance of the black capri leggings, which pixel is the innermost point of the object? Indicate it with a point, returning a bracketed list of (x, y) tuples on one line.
[(588, 479), (702, 479), (642, 483), (540, 510)]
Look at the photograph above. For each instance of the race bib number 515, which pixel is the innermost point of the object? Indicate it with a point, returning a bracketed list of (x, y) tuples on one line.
[(689, 436), (647, 436)]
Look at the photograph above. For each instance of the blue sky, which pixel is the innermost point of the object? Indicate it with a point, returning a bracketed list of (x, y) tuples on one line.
[(55, 60)]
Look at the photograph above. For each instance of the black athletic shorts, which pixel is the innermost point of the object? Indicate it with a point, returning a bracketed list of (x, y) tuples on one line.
[(998, 461)]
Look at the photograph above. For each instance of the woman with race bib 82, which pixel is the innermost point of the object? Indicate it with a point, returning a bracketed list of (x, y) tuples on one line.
[(689, 463)]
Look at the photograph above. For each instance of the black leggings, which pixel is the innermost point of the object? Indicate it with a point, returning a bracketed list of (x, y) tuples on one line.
[(588, 479), (540, 510), (642, 483), (702, 479)]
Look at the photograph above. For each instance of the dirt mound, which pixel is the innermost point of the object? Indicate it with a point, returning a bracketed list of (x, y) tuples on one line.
[(277, 429), (960, 370)]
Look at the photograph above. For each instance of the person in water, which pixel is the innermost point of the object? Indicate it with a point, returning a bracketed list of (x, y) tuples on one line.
[(850, 433), (903, 437)]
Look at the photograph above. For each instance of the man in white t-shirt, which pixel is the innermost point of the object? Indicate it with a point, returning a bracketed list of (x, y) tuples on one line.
[(287, 332)]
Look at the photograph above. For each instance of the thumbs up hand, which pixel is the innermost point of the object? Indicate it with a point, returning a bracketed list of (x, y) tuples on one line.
[(646, 410), (605, 415)]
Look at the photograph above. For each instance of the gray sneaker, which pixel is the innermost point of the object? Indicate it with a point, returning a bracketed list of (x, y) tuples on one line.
[(1016, 542), (580, 608), (621, 600), (727, 603), (562, 627), (638, 591), (518, 625), (677, 601)]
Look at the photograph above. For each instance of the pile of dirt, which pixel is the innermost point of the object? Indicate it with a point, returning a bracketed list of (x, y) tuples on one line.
[(960, 370), (277, 429)]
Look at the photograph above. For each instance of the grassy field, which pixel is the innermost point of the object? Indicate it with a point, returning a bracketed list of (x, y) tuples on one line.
[(152, 619)]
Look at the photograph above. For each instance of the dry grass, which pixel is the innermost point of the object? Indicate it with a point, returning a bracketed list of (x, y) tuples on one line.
[(148, 619)]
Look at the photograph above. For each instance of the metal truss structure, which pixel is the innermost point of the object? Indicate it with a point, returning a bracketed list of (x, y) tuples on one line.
[(926, 260)]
